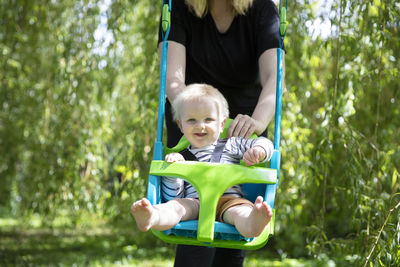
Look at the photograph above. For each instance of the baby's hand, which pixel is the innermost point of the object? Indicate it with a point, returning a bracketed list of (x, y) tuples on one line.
[(174, 157), (254, 155)]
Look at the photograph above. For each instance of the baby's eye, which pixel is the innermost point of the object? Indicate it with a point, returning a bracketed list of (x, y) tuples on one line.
[(209, 119), (191, 120)]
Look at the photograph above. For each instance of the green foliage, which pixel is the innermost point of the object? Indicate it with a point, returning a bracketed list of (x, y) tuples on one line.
[(340, 137), (78, 106)]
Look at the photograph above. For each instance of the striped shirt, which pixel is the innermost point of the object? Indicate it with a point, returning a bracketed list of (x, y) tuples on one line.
[(232, 153)]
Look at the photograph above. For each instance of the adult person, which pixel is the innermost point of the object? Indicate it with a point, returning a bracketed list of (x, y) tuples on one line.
[(231, 45)]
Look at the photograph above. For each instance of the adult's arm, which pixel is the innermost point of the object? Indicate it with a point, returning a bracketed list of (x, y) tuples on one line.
[(176, 67), (244, 125), (265, 109)]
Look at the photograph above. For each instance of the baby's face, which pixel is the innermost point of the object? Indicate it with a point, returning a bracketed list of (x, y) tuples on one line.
[(201, 122)]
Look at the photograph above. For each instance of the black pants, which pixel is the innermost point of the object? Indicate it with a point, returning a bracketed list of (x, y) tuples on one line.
[(196, 256)]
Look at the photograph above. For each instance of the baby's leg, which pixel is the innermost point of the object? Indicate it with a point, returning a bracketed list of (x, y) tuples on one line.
[(249, 221), (164, 216)]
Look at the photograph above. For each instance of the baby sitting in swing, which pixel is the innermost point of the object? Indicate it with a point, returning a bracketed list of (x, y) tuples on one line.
[(201, 112)]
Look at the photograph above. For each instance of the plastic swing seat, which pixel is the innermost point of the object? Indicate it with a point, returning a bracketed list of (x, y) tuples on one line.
[(211, 180)]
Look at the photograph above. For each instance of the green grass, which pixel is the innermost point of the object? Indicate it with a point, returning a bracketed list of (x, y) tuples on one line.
[(23, 245), (99, 247)]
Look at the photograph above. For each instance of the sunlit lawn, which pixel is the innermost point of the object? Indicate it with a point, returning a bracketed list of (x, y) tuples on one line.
[(98, 246)]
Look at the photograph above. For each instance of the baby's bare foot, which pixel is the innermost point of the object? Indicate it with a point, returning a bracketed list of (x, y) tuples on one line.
[(144, 214), (259, 217)]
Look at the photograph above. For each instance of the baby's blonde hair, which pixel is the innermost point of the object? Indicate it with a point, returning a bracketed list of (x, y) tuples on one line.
[(196, 92), (201, 7)]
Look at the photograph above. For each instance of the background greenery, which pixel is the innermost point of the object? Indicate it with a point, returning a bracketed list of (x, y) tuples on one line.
[(78, 107)]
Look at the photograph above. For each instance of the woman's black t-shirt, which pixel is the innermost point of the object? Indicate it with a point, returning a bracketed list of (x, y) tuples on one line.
[(228, 61)]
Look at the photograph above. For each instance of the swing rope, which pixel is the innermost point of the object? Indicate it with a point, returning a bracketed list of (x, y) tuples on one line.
[(166, 18)]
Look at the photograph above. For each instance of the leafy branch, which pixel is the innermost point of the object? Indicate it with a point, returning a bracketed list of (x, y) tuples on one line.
[(380, 232)]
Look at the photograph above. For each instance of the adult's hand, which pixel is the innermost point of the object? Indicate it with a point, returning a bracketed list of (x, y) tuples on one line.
[(244, 126)]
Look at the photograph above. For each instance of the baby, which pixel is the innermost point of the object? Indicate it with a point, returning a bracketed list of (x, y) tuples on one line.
[(201, 112)]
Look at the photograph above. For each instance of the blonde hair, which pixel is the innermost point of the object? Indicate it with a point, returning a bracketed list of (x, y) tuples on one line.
[(196, 92), (201, 7)]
